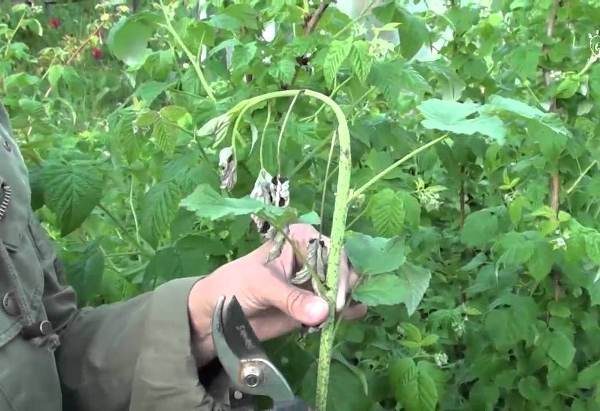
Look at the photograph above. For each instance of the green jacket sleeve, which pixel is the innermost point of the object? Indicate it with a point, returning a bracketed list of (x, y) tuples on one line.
[(132, 355)]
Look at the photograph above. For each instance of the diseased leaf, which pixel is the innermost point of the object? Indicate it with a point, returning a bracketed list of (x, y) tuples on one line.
[(205, 202)]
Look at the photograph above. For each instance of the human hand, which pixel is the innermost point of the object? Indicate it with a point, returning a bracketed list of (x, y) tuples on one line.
[(273, 306)]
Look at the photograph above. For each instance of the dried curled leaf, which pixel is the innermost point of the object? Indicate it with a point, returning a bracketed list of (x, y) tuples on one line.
[(278, 243), (216, 126), (227, 168), (316, 262), (272, 191)]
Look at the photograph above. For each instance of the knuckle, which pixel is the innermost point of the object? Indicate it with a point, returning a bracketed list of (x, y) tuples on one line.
[(293, 300)]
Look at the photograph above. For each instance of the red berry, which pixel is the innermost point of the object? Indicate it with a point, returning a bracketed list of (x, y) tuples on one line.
[(97, 53), (54, 22)]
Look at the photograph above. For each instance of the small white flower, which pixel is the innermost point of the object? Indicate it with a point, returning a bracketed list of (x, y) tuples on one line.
[(440, 359)]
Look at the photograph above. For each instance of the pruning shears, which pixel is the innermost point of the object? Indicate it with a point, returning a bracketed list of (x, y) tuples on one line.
[(251, 372)]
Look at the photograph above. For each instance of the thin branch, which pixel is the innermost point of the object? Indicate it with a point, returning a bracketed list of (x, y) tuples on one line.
[(382, 173), (583, 174), (311, 24), (282, 130)]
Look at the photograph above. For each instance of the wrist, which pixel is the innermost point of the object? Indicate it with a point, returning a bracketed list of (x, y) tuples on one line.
[(200, 308)]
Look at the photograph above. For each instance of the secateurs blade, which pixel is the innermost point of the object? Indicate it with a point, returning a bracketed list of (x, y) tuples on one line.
[(251, 372)]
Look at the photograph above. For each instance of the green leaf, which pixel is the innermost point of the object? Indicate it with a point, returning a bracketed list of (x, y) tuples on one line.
[(55, 73), (413, 386), (589, 376), (395, 77), (592, 246), (561, 349), (453, 116), (74, 190), (207, 203), (413, 32), (524, 60), (243, 54), (336, 54), (568, 86), (384, 289), (375, 255), (479, 228), (159, 207), (386, 210), (283, 71), (518, 108), (541, 261), (415, 282), (311, 218), (128, 38), (150, 90), (85, 273), (531, 389), (361, 60)]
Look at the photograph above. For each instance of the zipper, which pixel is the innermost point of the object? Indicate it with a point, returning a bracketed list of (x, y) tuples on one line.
[(6, 192)]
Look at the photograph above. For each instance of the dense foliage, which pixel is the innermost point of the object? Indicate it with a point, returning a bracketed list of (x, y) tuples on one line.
[(480, 255)]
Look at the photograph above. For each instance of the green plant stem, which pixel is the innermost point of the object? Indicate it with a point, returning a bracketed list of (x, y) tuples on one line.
[(262, 137), (324, 190), (576, 182), (593, 58), (193, 60), (309, 157), (340, 212), (335, 90), (124, 231), (282, 130), (12, 36), (357, 192)]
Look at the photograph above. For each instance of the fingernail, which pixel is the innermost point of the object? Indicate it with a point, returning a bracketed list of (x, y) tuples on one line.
[(317, 310)]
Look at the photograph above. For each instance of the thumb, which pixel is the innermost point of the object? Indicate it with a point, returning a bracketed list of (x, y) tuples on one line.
[(299, 304)]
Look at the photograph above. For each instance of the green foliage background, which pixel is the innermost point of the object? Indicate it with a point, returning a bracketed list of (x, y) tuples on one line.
[(481, 255)]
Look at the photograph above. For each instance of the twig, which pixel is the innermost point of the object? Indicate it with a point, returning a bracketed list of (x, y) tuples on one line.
[(311, 24), (588, 168)]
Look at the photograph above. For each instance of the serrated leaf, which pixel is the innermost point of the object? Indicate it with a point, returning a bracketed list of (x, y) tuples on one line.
[(375, 255), (415, 282), (413, 386), (361, 60), (336, 54), (74, 190), (387, 213), (283, 71), (394, 77), (456, 117), (205, 202), (159, 207)]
